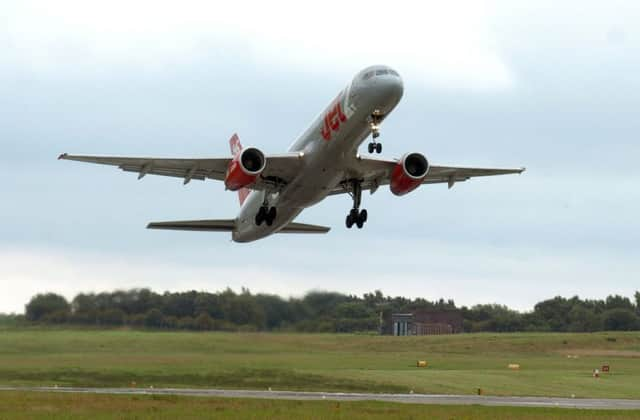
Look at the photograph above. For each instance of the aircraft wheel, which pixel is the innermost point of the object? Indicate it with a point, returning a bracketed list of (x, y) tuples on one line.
[(379, 148), (261, 216), (349, 221), (371, 147), (271, 216), (363, 215)]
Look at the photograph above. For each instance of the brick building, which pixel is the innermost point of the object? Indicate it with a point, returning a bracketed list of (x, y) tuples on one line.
[(423, 322)]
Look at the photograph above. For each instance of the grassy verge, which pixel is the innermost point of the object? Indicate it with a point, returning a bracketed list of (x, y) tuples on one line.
[(458, 364), (34, 405)]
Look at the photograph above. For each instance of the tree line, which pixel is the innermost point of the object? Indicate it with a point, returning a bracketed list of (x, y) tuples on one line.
[(315, 312)]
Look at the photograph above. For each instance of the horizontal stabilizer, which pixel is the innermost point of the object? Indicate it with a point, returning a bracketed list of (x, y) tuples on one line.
[(228, 225), (303, 228), (224, 225)]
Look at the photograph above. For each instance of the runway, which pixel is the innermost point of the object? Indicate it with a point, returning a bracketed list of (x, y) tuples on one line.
[(596, 403)]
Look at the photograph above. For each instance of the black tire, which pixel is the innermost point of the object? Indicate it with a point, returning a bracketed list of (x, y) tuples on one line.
[(348, 221), (271, 215), (379, 148), (363, 215), (261, 216), (359, 223), (371, 147)]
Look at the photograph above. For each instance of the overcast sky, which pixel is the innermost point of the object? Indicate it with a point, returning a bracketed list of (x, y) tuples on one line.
[(553, 86)]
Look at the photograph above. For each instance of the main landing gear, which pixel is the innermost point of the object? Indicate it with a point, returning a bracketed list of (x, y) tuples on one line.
[(266, 214), (374, 124), (356, 216)]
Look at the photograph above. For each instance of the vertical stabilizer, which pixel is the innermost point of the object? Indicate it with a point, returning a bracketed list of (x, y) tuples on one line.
[(236, 147)]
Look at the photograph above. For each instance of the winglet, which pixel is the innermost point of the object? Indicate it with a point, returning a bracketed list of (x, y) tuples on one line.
[(62, 156)]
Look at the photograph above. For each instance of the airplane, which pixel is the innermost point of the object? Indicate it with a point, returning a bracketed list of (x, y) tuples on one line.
[(274, 189)]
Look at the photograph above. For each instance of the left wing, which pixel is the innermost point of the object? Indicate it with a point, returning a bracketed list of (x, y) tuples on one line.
[(280, 168), (374, 172)]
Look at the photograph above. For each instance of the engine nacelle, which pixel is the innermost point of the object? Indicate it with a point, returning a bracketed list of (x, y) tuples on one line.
[(244, 168), (409, 173)]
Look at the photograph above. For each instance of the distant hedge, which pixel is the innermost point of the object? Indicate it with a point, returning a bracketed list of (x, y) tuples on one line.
[(317, 312)]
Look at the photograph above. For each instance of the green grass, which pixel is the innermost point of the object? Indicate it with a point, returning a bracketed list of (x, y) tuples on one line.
[(458, 364), (34, 405)]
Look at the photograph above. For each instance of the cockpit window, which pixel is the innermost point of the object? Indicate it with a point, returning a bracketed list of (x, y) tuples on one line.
[(380, 72)]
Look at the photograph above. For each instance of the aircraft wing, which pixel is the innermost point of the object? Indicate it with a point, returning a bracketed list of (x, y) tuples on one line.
[(280, 169), (374, 172)]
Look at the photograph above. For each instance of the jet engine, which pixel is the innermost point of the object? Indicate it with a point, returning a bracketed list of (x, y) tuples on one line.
[(409, 173), (244, 168)]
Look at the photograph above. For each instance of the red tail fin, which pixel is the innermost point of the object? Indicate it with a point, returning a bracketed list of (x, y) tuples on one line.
[(236, 147)]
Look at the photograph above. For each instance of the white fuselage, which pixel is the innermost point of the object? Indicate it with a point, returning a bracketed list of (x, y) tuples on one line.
[(327, 147)]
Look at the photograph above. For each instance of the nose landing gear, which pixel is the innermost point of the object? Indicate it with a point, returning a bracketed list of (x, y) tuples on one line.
[(266, 214), (356, 216), (374, 124)]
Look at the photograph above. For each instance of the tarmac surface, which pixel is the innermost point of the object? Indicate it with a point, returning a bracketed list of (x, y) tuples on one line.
[(582, 403)]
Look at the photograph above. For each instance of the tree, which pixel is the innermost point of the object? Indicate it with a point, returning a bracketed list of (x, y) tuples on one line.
[(154, 318), (204, 322), (637, 296), (112, 316), (179, 304), (555, 312), (276, 310), (46, 304), (582, 319), (620, 320), (618, 302)]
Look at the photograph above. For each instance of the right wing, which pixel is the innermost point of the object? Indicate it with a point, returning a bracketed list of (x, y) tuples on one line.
[(280, 168), (375, 172)]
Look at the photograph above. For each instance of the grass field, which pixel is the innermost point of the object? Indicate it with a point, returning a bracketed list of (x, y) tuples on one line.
[(458, 364), (15, 405)]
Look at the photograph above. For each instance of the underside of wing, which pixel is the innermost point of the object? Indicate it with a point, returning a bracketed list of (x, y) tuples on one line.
[(452, 174), (375, 172), (279, 169)]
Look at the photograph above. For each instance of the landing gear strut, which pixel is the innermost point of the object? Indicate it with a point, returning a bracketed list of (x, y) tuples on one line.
[(374, 124), (266, 214), (356, 216)]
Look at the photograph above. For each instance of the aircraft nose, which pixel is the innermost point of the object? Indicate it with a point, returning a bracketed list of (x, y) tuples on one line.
[(387, 91), (392, 87)]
